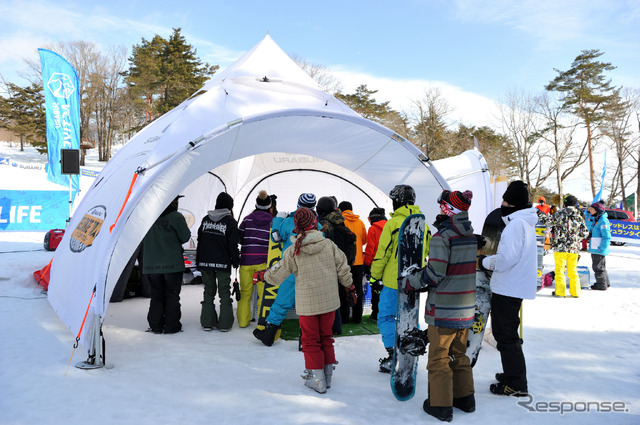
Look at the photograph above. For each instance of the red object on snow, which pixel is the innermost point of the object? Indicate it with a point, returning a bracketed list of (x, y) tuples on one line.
[(42, 276), (52, 239)]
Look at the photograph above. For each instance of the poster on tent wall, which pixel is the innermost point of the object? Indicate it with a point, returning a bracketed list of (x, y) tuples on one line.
[(62, 106), (27, 210)]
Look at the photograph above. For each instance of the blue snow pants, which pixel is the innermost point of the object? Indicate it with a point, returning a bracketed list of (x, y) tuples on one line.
[(285, 301), (387, 312)]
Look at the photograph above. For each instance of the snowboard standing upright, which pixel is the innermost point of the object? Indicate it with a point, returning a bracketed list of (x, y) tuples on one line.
[(270, 290), (491, 230), (405, 363)]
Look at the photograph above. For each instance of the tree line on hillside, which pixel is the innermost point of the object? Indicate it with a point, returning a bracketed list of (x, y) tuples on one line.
[(536, 137)]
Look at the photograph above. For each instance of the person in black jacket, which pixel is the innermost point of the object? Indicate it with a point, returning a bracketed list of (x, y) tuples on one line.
[(216, 254), (163, 263)]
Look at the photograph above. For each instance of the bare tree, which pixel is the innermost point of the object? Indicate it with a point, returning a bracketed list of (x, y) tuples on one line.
[(320, 74), (106, 98), (558, 132), (521, 124), (428, 123), (617, 126)]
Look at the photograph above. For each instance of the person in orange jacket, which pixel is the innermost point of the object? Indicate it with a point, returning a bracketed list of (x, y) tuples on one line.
[(377, 220), (356, 225), (543, 206)]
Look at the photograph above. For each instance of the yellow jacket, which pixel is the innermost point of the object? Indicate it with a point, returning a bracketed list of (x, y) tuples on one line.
[(384, 266)]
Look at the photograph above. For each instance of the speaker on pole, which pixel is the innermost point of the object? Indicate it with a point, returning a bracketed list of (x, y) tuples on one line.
[(70, 159)]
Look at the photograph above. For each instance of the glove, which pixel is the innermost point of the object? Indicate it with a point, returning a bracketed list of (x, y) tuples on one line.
[(479, 265), (481, 241), (236, 290), (413, 279), (376, 286), (258, 276), (352, 297)]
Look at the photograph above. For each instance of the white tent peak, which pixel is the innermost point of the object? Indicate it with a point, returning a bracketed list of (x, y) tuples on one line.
[(265, 62)]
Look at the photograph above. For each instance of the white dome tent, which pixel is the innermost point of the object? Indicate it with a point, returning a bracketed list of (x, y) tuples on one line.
[(251, 125)]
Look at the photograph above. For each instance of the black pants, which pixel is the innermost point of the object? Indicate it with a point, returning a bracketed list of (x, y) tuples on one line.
[(164, 306), (345, 309), (599, 266), (505, 320)]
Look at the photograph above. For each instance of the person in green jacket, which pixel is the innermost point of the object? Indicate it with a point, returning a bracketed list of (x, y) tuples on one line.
[(384, 266), (163, 262)]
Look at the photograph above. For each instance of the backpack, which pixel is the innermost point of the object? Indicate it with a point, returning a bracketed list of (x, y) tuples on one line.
[(346, 241)]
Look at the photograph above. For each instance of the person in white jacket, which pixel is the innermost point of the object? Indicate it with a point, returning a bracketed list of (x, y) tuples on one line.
[(514, 278)]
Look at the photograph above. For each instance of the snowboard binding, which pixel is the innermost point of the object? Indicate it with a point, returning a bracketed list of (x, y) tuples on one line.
[(414, 342)]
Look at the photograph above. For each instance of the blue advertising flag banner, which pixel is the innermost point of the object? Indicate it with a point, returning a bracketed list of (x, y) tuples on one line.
[(604, 172), (26, 210), (62, 105)]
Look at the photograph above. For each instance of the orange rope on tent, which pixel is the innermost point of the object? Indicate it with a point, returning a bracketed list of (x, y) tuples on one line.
[(44, 271), (135, 177), (80, 331)]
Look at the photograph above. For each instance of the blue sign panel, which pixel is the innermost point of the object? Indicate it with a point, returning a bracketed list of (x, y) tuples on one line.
[(27, 210)]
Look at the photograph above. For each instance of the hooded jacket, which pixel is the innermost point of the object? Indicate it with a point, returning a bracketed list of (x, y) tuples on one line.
[(218, 241), (373, 239), (356, 225), (384, 266), (515, 265), (163, 251), (318, 269), (450, 274), (254, 238), (600, 230), (569, 229)]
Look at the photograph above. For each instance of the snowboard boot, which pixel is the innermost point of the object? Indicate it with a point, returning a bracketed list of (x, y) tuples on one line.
[(387, 362), (267, 335), (314, 379), (504, 389), (444, 413), (328, 373), (466, 404)]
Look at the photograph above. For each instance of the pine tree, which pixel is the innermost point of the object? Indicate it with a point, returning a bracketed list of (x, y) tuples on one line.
[(164, 73), (586, 92), (23, 113)]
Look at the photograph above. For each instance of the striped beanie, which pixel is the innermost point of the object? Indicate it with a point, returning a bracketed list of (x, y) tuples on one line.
[(307, 200), (454, 202)]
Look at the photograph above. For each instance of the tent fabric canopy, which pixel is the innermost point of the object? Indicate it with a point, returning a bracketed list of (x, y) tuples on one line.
[(232, 132)]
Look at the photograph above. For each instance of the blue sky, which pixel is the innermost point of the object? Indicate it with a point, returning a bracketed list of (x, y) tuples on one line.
[(479, 47)]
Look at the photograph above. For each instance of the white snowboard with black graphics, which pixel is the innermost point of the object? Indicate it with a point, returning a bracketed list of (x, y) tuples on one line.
[(405, 362)]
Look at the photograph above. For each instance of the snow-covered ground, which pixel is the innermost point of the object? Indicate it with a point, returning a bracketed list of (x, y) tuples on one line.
[(582, 358)]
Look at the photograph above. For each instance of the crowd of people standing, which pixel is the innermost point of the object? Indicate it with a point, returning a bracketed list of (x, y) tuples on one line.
[(328, 253)]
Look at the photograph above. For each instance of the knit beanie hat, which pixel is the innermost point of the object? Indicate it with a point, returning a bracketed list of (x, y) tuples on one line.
[(345, 206), (263, 201), (224, 200), (517, 194), (326, 204), (377, 214), (304, 219), (570, 201), (452, 203), (307, 200), (598, 207)]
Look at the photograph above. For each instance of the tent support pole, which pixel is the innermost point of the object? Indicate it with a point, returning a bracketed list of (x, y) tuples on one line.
[(95, 358)]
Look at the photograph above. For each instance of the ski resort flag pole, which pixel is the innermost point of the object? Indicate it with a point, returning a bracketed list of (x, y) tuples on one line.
[(62, 105), (604, 171)]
